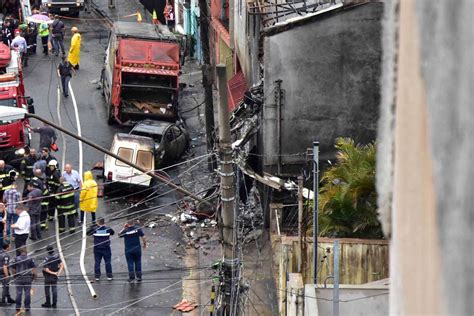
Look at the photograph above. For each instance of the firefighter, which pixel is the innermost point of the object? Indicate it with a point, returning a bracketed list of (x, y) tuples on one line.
[(26, 166), (65, 206), (39, 181), (7, 176), (52, 182)]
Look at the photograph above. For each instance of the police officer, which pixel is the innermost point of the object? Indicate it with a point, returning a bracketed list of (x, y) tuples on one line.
[(6, 298), (7, 176), (102, 249), (52, 268), (131, 235), (39, 182), (65, 206), (24, 270), (52, 182), (26, 165)]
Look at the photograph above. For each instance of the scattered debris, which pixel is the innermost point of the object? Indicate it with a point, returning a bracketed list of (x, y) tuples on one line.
[(185, 306)]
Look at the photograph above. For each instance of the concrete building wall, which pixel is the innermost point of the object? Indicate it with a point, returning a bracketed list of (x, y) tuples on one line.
[(246, 40), (330, 72), (427, 163), (354, 300)]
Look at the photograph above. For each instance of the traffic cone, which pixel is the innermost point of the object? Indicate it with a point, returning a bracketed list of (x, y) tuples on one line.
[(154, 17), (139, 17)]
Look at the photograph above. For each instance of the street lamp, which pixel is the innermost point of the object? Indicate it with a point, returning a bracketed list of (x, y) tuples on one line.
[(12, 113)]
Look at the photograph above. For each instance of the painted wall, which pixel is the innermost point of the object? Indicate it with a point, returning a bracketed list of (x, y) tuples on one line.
[(330, 72)]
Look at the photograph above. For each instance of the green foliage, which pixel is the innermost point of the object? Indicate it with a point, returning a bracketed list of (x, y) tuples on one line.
[(347, 198)]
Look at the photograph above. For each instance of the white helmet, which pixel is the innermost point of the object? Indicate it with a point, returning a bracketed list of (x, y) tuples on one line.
[(52, 163)]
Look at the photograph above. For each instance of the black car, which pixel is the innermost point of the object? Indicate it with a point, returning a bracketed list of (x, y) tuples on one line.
[(171, 139)]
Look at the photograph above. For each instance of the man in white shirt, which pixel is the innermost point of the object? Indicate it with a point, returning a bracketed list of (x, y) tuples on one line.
[(21, 227), (73, 177)]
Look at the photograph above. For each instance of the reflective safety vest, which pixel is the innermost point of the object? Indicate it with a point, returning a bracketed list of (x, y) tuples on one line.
[(43, 29), (40, 184), (26, 167), (53, 181), (7, 176), (65, 199)]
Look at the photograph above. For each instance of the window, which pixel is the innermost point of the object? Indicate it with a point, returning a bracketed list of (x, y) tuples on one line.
[(125, 153), (145, 159)]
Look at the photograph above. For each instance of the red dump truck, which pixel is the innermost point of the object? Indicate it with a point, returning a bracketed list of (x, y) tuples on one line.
[(14, 135), (140, 75)]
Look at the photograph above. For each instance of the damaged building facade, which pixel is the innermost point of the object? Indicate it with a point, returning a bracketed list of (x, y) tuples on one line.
[(320, 82)]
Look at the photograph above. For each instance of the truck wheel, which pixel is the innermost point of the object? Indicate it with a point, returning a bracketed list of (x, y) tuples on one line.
[(110, 115)]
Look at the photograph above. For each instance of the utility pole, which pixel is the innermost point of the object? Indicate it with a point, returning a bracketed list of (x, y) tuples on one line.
[(300, 222), (315, 209), (226, 172), (207, 81)]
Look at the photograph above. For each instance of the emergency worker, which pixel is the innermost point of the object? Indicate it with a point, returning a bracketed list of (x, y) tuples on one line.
[(26, 165), (39, 181), (31, 37), (88, 198), (7, 176), (102, 248), (24, 271), (34, 209), (44, 35), (5, 258), (65, 206), (131, 235), (74, 56), (52, 268), (52, 182), (46, 156)]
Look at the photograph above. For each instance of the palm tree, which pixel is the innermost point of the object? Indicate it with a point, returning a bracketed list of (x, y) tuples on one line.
[(347, 198)]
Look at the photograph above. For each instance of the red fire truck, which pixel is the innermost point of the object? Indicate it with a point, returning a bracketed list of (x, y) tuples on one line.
[(14, 135), (140, 75)]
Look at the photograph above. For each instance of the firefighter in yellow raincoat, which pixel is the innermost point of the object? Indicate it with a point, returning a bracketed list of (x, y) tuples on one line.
[(74, 56)]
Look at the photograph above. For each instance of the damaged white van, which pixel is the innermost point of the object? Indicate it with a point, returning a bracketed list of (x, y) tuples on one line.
[(139, 150)]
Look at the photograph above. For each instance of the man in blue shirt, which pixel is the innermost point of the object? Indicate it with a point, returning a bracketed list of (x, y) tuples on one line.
[(131, 234), (24, 270), (102, 249), (73, 178)]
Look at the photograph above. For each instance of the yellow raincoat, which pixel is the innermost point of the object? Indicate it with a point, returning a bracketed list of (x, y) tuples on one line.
[(88, 200), (74, 56)]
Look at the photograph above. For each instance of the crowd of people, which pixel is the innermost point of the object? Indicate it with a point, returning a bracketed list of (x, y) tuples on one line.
[(47, 195), (24, 38)]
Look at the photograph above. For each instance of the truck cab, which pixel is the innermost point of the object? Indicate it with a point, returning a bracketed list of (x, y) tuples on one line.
[(140, 75), (14, 134), (65, 7)]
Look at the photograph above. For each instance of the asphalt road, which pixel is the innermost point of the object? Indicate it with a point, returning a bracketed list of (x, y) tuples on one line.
[(161, 287)]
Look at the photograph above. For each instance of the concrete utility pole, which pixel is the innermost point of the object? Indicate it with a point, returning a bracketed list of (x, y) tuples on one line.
[(128, 163), (226, 172), (315, 211), (300, 222), (207, 81)]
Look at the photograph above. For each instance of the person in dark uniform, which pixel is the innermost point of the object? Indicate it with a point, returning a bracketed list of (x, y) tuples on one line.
[(33, 204), (24, 270), (102, 249), (52, 268), (7, 176), (66, 206), (39, 181), (47, 136), (26, 165), (6, 298), (52, 182), (131, 235)]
